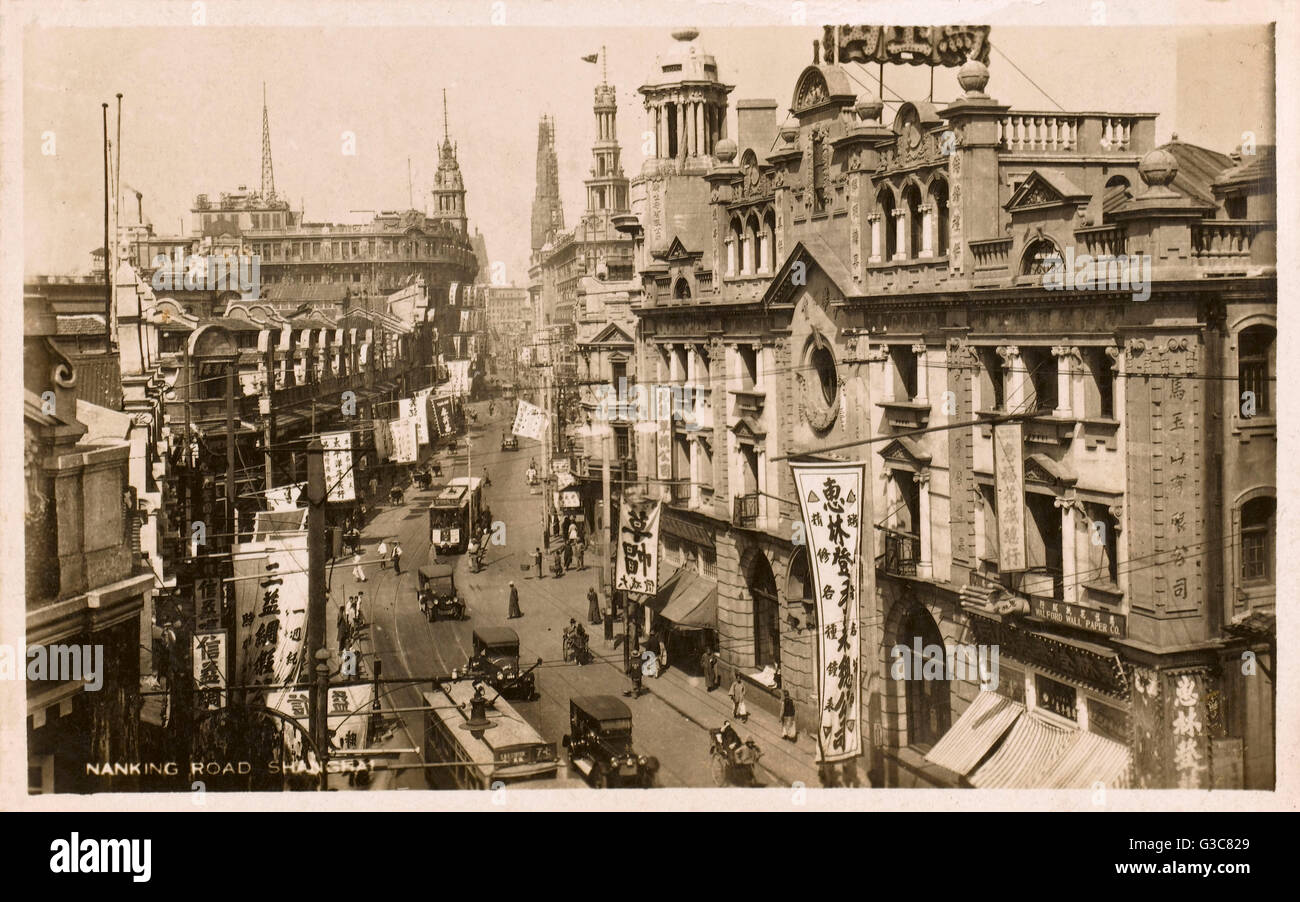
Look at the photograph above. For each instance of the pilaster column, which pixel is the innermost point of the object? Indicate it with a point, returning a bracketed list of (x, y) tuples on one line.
[(681, 131), (1069, 568), (876, 237), (1067, 361), (900, 234), (924, 566), (1014, 377), (922, 392), (699, 129), (927, 230)]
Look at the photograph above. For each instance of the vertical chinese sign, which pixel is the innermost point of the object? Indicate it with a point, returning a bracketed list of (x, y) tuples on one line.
[(210, 670), (383, 440), (663, 401), (830, 500), (1009, 487), (338, 466), (207, 606), (637, 564), (404, 433), (271, 610)]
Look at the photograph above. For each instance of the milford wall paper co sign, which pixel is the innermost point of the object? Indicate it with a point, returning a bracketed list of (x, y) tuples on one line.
[(941, 45), (830, 500)]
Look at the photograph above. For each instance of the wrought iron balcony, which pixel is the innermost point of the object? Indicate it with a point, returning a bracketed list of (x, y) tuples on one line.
[(902, 551), (744, 512)]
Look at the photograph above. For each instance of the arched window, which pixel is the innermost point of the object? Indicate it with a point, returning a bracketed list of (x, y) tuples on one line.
[(1117, 193), (767, 612), (1256, 363), (735, 246), (751, 245), (682, 290), (768, 243), (912, 203), (886, 204), (928, 706), (1039, 257), (939, 202), (1258, 518), (824, 364)]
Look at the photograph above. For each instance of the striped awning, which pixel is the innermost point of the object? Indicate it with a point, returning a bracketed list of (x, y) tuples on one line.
[(981, 725), (1091, 759), (1022, 761)]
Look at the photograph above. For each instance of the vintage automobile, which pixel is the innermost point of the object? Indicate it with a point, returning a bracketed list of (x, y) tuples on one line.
[(600, 744), (437, 593), (496, 662), (509, 442)]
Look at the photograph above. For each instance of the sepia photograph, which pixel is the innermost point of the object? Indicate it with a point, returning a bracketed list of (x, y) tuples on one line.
[(685, 398)]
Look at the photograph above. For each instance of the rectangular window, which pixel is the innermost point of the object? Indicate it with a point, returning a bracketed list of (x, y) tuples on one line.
[(1040, 364), (904, 359), (1058, 698), (992, 380)]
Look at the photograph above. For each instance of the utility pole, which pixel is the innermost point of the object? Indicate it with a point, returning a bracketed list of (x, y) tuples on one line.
[(232, 518), (316, 495), (108, 270)]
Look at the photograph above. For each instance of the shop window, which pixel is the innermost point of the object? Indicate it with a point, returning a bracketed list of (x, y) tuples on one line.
[(1256, 363), (886, 203), (1056, 697), (1257, 527), (939, 201)]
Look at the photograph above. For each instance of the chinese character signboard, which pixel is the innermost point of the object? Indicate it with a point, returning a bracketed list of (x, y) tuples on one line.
[(1009, 486), (924, 45), (347, 712), (338, 466), (530, 421), (207, 605), (383, 440), (830, 500), (405, 439), (458, 370), (443, 410), (270, 610), (451, 294), (637, 564), (664, 416), (1079, 616), (210, 670), (417, 408)]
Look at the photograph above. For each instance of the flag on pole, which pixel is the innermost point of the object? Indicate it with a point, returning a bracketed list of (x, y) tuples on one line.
[(591, 58), (530, 421)]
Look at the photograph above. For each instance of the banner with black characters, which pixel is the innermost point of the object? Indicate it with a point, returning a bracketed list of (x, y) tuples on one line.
[(637, 566), (830, 500)]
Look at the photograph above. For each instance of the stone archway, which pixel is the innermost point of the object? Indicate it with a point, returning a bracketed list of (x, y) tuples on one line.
[(766, 602)]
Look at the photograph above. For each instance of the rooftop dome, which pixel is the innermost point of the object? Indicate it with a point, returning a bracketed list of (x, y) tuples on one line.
[(1158, 168), (686, 60)]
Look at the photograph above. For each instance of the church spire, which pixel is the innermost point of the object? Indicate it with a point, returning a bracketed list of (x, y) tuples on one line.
[(268, 173)]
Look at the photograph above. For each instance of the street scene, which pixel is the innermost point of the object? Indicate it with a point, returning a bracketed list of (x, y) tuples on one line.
[(848, 406)]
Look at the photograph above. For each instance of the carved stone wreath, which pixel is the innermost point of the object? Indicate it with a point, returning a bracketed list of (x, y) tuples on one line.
[(813, 407)]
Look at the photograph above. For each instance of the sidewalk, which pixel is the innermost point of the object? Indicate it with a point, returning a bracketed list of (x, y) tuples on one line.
[(785, 763)]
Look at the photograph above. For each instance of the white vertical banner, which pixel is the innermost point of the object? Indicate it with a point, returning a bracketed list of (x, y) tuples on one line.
[(271, 610), (530, 421), (1009, 487), (210, 663), (831, 501), (338, 466), (405, 440), (417, 409), (451, 295), (383, 440), (637, 563), (459, 372)]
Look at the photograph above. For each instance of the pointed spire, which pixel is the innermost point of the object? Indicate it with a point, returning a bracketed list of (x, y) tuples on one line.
[(268, 173), (445, 134), (604, 66)]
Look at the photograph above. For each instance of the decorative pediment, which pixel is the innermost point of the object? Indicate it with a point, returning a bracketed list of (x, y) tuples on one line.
[(612, 334), (1042, 470), (906, 452), (1046, 188), (748, 429), (792, 278), (678, 254)]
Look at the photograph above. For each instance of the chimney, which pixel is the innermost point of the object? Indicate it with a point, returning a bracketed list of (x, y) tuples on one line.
[(756, 126)]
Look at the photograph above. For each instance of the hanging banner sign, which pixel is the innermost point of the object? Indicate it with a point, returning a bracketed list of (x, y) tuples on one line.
[(915, 45), (207, 605), (444, 414), (451, 295), (831, 502), (530, 421), (210, 664), (348, 711), (417, 409), (1009, 487), (637, 569), (459, 371), (284, 497), (570, 499), (338, 466), (271, 611), (405, 439), (383, 439)]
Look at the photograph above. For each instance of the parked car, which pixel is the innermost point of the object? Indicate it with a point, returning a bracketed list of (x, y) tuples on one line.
[(496, 662), (600, 744), (509, 442)]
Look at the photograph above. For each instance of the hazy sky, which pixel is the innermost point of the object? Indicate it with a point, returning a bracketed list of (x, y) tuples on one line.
[(192, 117)]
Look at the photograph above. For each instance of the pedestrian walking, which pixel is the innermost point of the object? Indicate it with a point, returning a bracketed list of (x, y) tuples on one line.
[(737, 693), (573, 532), (593, 607), (634, 672), (709, 667), (397, 558), (342, 628), (383, 554), (789, 730), (357, 572), (537, 560), (514, 611), (609, 623), (568, 556), (578, 549), (663, 653)]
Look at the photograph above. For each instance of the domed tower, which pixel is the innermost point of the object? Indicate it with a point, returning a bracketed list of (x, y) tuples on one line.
[(448, 185), (686, 106)]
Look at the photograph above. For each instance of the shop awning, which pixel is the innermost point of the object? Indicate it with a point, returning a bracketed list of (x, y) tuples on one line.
[(682, 528), (1089, 760), (689, 601), (978, 729), (1022, 761)]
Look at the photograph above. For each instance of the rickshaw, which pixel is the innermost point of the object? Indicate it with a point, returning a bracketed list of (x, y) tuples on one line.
[(395, 495), (732, 764), (437, 593)]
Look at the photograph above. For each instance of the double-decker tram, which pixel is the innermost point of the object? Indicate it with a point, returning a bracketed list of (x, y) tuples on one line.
[(450, 512), (507, 751)]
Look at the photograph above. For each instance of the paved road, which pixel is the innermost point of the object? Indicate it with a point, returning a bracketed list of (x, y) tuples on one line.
[(410, 646)]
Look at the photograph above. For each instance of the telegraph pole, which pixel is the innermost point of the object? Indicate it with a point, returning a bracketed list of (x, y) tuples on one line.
[(316, 650), (232, 517)]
